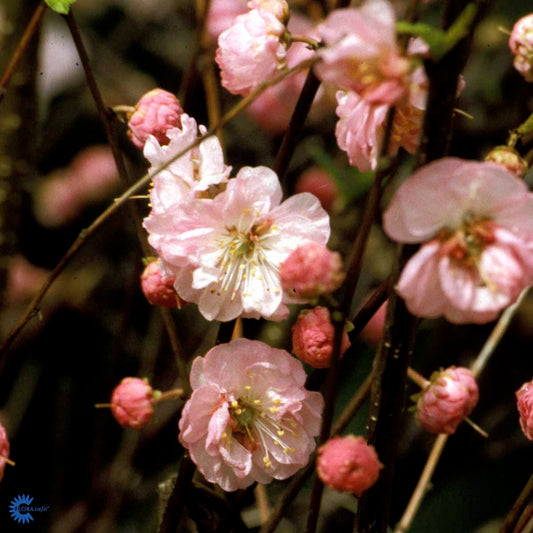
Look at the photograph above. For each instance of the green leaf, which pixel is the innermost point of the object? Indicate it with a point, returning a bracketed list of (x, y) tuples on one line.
[(60, 6)]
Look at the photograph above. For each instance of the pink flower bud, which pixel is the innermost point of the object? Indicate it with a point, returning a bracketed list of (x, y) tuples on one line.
[(155, 113), (320, 183), (158, 289), (4, 451), (524, 399), (311, 270), (132, 403), (348, 464), (373, 331), (279, 8), (447, 400), (508, 158), (521, 45), (312, 337)]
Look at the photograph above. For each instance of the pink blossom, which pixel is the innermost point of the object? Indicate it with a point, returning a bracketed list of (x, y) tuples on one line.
[(348, 464), (222, 14), (524, 402), (311, 270), (361, 124), (158, 288), (190, 175), (447, 400), (250, 51), (279, 8), (132, 403), (155, 113), (361, 53), (249, 417), (313, 336), (508, 158), (476, 223), (226, 252), (4, 451), (319, 182), (521, 45)]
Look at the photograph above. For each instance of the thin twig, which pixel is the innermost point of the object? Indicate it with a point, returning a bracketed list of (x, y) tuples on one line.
[(27, 36)]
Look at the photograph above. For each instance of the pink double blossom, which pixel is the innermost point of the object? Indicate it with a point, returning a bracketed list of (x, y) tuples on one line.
[(251, 51), (524, 403), (249, 417), (361, 53), (475, 221), (225, 252), (222, 14), (521, 45), (132, 403), (191, 174)]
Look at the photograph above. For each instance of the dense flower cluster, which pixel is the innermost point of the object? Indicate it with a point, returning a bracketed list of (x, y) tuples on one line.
[(475, 221), (249, 417)]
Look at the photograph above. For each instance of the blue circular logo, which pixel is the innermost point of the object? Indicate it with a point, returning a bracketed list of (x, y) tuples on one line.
[(18, 509)]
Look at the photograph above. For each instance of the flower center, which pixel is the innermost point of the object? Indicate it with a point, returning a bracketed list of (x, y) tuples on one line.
[(243, 259), (256, 423), (467, 243)]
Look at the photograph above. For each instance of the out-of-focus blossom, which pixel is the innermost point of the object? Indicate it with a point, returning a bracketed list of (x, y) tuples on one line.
[(249, 417), (91, 176), (313, 336), (273, 109), (447, 400), (476, 223), (222, 15), (361, 53), (311, 270), (521, 45), (361, 124), (348, 464), (524, 402), (319, 182), (23, 280), (190, 175), (508, 158), (373, 331), (132, 403), (4, 451), (158, 288), (155, 113), (226, 252), (251, 51)]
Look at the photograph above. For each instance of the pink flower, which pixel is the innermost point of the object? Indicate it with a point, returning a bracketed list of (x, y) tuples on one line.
[(155, 113), (222, 14), (521, 45), (313, 335), (311, 270), (4, 451), (279, 8), (320, 183), (192, 174), (447, 400), (361, 53), (361, 124), (225, 253), (132, 403), (249, 417), (373, 331), (158, 288), (250, 51), (524, 403), (348, 464), (476, 220), (509, 159)]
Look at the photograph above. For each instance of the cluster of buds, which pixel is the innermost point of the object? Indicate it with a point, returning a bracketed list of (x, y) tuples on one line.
[(348, 464)]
